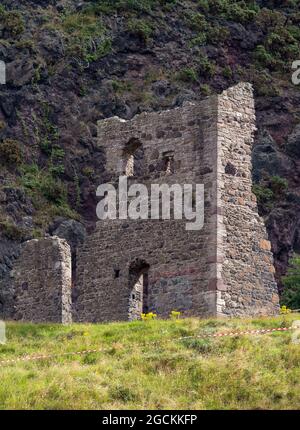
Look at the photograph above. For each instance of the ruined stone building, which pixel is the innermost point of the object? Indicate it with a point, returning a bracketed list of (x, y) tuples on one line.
[(126, 267)]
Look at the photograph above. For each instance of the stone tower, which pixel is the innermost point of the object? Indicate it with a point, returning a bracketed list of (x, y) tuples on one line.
[(131, 266)]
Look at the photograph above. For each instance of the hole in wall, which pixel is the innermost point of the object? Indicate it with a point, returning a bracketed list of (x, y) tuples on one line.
[(230, 169)]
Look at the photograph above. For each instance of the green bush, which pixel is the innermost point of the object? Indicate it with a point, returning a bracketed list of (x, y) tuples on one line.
[(40, 183), (11, 22), (227, 72), (263, 83), (11, 231), (140, 28), (269, 191), (278, 185), (291, 293), (10, 152), (86, 36), (205, 89), (187, 75), (264, 195), (238, 11), (197, 21), (121, 86), (145, 6), (263, 57), (56, 166), (282, 44), (206, 68)]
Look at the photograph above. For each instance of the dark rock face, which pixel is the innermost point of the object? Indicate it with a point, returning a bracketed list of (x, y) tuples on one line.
[(284, 236), (293, 143), (72, 231)]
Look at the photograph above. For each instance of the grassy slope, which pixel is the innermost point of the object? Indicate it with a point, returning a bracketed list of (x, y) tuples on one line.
[(143, 366)]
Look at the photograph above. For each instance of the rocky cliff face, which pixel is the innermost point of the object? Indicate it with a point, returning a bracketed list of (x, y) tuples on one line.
[(71, 63)]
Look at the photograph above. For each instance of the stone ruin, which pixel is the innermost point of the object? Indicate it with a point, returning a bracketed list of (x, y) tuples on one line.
[(126, 267)]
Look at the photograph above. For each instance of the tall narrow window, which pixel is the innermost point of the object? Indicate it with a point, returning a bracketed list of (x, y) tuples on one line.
[(133, 157), (129, 168), (168, 158)]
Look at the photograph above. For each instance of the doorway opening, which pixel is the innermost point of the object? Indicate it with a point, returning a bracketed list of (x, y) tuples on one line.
[(138, 289)]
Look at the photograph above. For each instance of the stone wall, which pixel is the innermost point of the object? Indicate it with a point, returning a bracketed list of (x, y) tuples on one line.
[(42, 281), (181, 263)]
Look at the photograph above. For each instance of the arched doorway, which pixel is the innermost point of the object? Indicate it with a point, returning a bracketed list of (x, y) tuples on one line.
[(138, 289)]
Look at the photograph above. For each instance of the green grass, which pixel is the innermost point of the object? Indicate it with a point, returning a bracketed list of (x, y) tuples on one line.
[(143, 366)]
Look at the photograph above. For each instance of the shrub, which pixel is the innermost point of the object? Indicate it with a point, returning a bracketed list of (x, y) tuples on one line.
[(10, 152), (197, 21), (278, 185), (122, 86), (227, 72), (268, 19), (140, 28), (40, 183), (86, 36), (146, 6), (263, 57), (206, 67), (282, 44), (205, 89), (12, 22), (88, 172), (291, 293), (238, 11), (264, 195), (263, 83), (187, 75), (218, 34), (56, 166), (11, 231), (203, 5)]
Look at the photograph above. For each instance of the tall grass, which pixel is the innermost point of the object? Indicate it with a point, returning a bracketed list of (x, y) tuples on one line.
[(144, 365)]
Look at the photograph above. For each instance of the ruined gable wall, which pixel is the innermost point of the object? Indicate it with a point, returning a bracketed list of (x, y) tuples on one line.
[(182, 264), (42, 281)]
